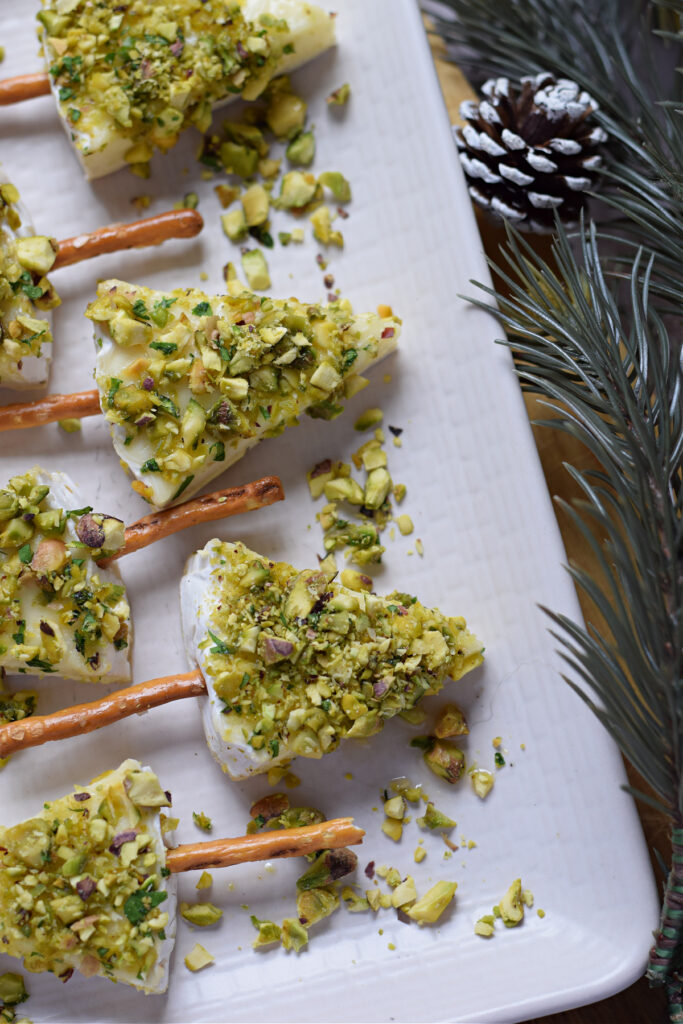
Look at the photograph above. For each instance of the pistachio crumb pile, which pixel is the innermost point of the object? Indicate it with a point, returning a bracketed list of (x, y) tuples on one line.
[(57, 609), (190, 379), (301, 662), (317, 891), (243, 150), (510, 910), (25, 291), (358, 537), (137, 74), (403, 897), (82, 883)]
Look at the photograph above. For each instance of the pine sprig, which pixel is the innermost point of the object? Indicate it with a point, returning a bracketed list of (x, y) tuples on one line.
[(614, 381)]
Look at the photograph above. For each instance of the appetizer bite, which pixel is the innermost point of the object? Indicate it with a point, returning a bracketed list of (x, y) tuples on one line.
[(63, 609), (288, 663), (129, 78), (88, 884), (26, 295), (190, 382)]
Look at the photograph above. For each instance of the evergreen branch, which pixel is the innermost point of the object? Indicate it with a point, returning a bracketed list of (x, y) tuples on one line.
[(615, 383)]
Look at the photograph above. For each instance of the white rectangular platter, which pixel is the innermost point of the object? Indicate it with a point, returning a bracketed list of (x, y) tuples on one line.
[(557, 816)]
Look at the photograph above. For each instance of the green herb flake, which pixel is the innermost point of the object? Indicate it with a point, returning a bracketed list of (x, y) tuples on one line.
[(202, 309), (25, 554), (150, 466), (140, 903)]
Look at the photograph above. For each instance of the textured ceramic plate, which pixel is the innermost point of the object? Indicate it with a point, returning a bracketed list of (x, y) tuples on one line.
[(492, 552)]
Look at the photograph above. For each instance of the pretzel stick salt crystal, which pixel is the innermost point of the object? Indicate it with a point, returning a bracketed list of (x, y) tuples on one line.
[(62, 610), (109, 881), (300, 700), (24, 87), (138, 234), (20, 415)]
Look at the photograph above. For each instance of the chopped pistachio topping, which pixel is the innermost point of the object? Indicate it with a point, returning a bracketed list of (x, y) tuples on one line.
[(338, 97), (268, 932), (482, 782), (198, 958), (301, 662), (14, 707), (12, 989), (485, 926), (25, 292), (70, 426), (201, 914), (431, 906), (205, 881), (56, 608), (450, 721), (314, 905), (191, 380), (202, 821), (433, 819), (137, 74), (81, 884), (445, 760), (512, 905)]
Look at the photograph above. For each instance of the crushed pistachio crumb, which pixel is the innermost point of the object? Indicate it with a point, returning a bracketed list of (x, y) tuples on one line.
[(70, 426), (202, 821), (205, 881), (198, 958)]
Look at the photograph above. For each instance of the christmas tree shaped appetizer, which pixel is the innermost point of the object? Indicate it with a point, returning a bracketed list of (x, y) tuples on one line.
[(289, 663), (190, 382), (89, 885), (129, 78), (63, 607), (26, 295)]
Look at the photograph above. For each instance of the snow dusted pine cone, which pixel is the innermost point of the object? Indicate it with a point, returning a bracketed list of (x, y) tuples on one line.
[(529, 150)]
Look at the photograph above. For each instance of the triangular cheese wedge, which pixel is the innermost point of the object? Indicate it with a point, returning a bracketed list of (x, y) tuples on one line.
[(129, 79), (295, 662), (190, 382), (83, 885), (26, 296), (59, 612)]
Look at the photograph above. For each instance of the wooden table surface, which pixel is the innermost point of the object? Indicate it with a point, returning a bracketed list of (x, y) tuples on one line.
[(637, 1004)]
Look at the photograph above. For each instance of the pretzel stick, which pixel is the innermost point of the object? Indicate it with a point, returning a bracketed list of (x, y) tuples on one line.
[(82, 718), (287, 842), (208, 508), (115, 237), (23, 87), (19, 415)]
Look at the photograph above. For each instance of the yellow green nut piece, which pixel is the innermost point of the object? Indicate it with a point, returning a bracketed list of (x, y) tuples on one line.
[(450, 722), (370, 418), (201, 914), (268, 932), (12, 989), (431, 906), (482, 782), (234, 224), (512, 905), (256, 270), (293, 935), (445, 760), (256, 204), (36, 253), (316, 904), (198, 958), (301, 149), (337, 184)]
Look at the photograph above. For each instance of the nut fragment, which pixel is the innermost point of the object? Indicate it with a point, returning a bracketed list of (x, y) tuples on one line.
[(50, 556), (451, 721), (328, 866), (445, 760), (270, 806)]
